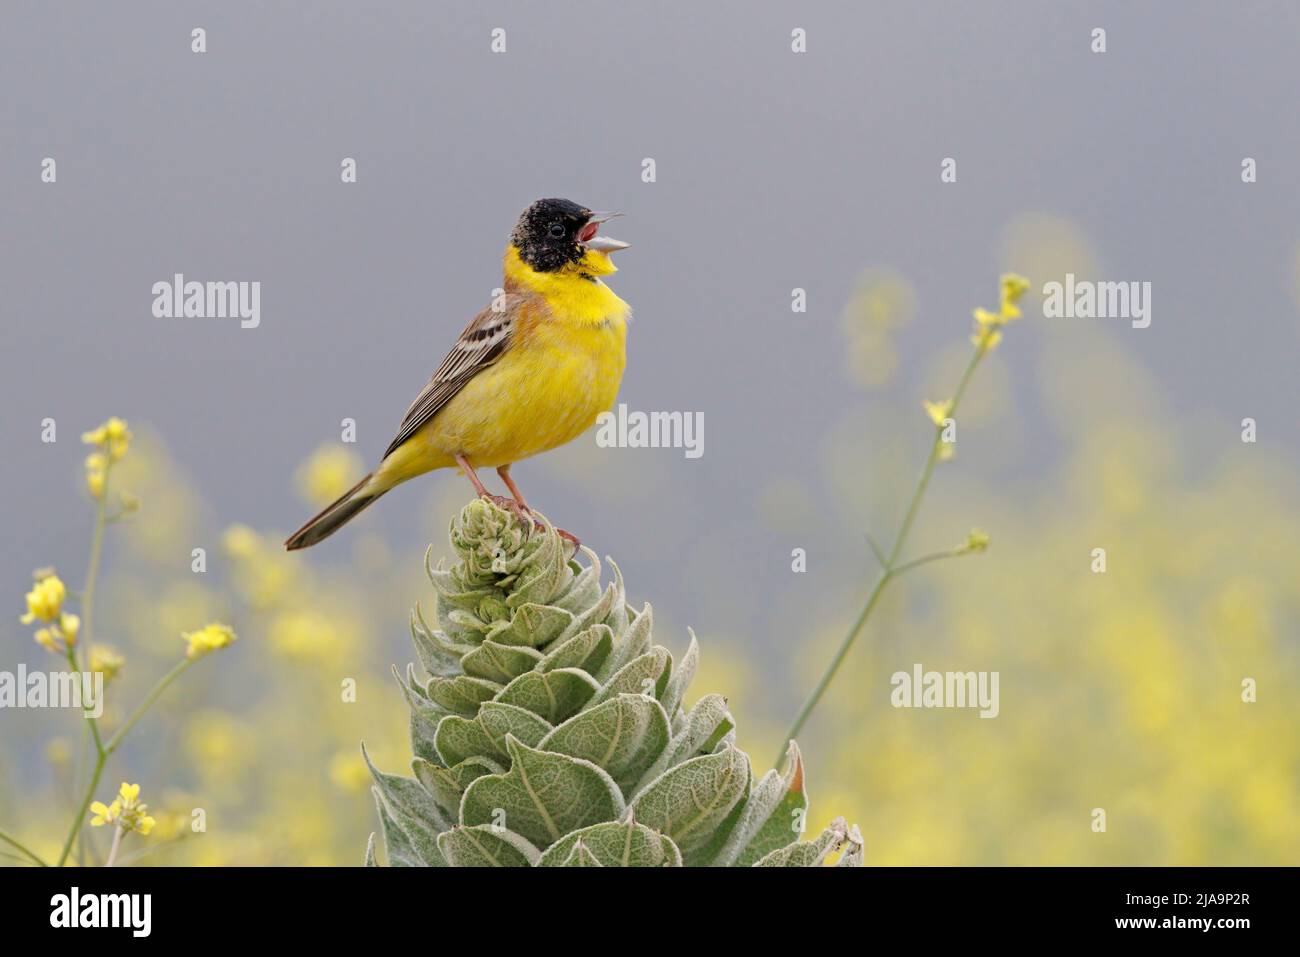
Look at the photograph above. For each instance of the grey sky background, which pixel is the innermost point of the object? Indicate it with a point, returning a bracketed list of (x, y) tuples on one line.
[(774, 171)]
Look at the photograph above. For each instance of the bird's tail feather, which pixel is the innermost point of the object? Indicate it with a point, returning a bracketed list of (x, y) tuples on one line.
[(334, 516)]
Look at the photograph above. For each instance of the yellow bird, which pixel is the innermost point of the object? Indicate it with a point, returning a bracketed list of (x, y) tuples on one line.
[(529, 373)]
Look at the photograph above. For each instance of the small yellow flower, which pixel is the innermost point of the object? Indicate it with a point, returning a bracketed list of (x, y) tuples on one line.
[(938, 411), (976, 541), (70, 626), (985, 318), (106, 660), (105, 813), (208, 639), (1013, 287), (95, 484), (112, 438), (47, 639), (45, 600), (946, 451), (986, 339), (117, 431), (126, 811)]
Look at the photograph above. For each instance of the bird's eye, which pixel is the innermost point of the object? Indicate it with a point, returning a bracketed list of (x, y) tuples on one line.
[(557, 230)]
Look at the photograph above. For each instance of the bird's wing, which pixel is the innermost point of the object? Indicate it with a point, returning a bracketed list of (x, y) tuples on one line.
[(480, 344)]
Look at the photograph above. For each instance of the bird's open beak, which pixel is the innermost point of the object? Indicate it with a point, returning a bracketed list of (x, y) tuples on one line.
[(601, 244)]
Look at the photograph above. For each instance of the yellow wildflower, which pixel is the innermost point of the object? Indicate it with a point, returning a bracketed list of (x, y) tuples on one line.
[(70, 625), (1013, 287), (976, 541), (45, 600), (938, 411), (987, 323), (208, 639), (106, 660), (126, 811), (105, 813), (48, 639), (987, 338), (112, 438)]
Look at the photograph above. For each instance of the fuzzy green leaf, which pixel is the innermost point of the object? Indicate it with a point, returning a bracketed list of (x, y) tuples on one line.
[(623, 736), (461, 738), (486, 846), (809, 853), (500, 663), (543, 796), (580, 856), (552, 695), (533, 626), (706, 723), (446, 786), (691, 801), (409, 803), (461, 695), (772, 815), (401, 852), (616, 844), (438, 655), (636, 641), (646, 675), (586, 650), (682, 676)]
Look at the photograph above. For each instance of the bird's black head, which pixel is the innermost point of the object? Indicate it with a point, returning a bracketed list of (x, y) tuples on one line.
[(548, 234), (552, 233)]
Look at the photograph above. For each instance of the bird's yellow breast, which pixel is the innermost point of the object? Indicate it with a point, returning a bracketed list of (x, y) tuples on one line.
[(561, 370)]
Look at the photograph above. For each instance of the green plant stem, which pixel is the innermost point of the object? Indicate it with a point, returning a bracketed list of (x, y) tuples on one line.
[(148, 701), (117, 844), (890, 568), (87, 625), (14, 842), (92, 570), (104, 751)]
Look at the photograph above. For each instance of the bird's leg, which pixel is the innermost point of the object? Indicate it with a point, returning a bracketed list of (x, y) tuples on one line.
[(504, 472), (473, 477), (498, 500)]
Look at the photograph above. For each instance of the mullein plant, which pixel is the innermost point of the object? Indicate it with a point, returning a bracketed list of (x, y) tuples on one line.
[(549, 730), (68, 636)]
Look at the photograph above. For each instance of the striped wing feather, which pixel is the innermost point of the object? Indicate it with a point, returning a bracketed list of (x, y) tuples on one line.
[(480, 344)]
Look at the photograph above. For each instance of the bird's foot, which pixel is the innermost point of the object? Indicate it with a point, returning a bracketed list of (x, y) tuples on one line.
[(510, 505), (524, 513)]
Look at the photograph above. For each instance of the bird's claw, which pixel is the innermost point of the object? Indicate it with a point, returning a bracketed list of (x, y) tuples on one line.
[(523, 513)]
